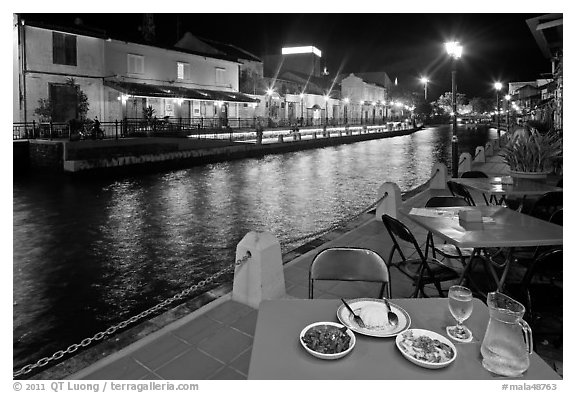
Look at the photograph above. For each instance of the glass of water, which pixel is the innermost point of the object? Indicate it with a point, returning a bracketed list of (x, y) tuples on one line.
[(460, 304)]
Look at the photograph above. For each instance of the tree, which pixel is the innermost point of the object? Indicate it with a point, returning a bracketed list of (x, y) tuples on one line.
[(444, 102), (82, 103), (44, 110), (482, 105), (46, 106)]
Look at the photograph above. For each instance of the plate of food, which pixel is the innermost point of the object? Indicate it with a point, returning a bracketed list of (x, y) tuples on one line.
[(327, 340), (374, 314), (426, 348)]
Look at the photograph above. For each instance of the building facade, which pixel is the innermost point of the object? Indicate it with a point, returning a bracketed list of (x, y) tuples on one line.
[(122, 80)]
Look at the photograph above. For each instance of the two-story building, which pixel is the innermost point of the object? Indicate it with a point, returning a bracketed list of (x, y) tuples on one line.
[(121, 79), (364, 100)]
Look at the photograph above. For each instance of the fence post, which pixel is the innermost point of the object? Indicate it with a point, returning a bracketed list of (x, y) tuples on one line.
[(34, 129), (125, 127), (391, 200), (116, 129), (479, 154), (438, 177), (454, 156), (50, 130), (464, 163), (489, 149), (261, 277)]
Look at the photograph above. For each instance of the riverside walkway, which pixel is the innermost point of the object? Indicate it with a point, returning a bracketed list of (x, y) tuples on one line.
[(215, 341)]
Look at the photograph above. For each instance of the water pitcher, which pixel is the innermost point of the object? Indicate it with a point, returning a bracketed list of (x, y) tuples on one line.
[(508, 340)]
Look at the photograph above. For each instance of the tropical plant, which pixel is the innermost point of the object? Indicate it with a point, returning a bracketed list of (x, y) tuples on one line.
[(44, 110), (82, 103), (532, 151)]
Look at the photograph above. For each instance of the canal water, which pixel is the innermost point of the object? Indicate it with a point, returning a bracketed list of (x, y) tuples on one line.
[(89, 254)]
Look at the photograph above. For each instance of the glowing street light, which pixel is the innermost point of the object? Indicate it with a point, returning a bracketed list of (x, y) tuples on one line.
[(326, 98), (302, 109), (269, 93), (498, 87), (346, 102), (425, 81), (454, 50), (507, 97)]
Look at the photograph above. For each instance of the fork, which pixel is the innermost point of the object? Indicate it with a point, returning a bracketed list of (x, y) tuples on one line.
[(357, 319)]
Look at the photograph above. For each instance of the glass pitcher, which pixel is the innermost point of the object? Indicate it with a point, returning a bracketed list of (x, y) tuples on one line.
[(508, 340)]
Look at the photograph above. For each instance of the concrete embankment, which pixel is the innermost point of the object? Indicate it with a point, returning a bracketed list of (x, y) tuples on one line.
[(143, 154)]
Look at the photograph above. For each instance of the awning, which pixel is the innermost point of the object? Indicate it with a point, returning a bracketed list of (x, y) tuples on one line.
[(146, 90)]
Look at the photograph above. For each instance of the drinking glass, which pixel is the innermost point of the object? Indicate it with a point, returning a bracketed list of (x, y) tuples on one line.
[(460, 304)]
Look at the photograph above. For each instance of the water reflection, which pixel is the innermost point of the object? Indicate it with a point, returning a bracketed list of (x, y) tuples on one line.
[(89, 254)]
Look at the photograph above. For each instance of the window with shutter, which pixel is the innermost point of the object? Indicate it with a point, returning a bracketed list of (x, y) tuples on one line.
[(135, 64), (183, 70), (220, 72), (64, 49)]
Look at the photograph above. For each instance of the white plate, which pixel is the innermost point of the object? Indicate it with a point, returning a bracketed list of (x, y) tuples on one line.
[(328, 356), (346, 317), (432, 335)]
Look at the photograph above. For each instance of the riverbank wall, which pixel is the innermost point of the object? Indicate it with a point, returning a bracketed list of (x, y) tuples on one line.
[(148, 154)]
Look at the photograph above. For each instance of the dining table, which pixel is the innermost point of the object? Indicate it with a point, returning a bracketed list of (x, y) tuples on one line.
[(499, 227), (498, 187), (277, 353)]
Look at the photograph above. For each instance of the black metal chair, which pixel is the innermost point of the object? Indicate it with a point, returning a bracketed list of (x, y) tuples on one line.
[(349, 264), (457, 189), (447, 250), (474, 174), (541, 292), (422, 270), (481, 175), (547, 205)]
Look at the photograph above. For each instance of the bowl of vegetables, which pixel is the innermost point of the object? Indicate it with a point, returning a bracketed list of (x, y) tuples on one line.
[(327, 340)]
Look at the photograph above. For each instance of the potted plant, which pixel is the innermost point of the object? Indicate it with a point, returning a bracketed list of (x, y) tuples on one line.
[(531, 154)]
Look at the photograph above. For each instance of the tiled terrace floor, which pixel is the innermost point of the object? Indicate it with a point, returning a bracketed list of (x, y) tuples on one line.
[(216, 341)]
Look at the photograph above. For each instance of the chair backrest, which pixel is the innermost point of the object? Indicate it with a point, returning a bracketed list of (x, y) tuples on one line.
[(474, 174), (557, 217), (348, 264), (458, 189), (446, 201), (548, 263), (397, 230), (547, 205)]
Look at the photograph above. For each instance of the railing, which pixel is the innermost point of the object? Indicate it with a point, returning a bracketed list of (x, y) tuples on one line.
[(193, 127)]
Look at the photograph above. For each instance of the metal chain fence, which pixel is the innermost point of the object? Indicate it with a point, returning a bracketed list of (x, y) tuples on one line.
[(112, 329), (338, 224)]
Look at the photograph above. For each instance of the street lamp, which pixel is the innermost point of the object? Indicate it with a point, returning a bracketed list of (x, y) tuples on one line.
[(507, 97), (326, 98), (498, 87), (454, 50), (302, 109), (425, 81)]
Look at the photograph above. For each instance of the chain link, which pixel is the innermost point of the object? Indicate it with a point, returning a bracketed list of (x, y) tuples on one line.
[(338, 224), (461, 161), (112, 329)]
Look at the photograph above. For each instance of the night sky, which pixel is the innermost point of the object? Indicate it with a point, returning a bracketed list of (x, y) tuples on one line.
[(405, 45)]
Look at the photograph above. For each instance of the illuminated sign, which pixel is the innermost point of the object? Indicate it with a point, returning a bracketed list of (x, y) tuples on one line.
[(301, 49)]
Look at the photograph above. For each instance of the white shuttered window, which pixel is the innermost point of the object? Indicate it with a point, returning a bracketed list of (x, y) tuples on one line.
[(135, 64), (183, 70)]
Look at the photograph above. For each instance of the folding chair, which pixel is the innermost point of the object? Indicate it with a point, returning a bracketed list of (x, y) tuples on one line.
[(422, 270), (349, 264)]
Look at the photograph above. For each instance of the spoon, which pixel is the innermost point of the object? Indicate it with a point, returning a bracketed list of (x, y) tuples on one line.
[(392, 317)]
